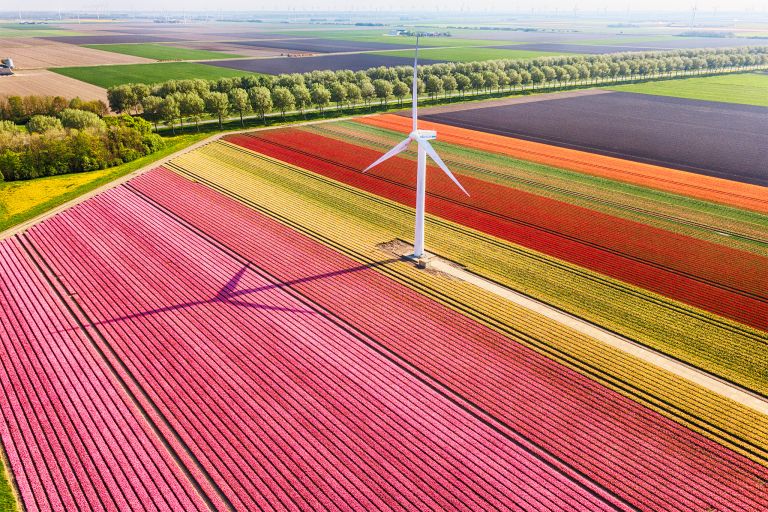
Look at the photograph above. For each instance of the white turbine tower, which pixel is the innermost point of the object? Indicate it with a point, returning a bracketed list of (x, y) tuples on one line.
[(422, 138)]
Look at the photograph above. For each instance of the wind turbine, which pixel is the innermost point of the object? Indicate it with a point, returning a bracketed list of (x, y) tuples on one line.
[(421, 138)]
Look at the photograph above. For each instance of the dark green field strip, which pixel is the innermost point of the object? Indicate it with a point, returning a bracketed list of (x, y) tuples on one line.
[(108, 76)]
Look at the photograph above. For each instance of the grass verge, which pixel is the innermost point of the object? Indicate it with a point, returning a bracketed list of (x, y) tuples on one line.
[(161, 51), (24, 200), (8, 501)]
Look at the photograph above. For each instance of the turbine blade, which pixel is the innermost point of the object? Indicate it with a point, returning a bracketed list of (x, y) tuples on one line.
[(415, 89), (439, 161), (389, 154)]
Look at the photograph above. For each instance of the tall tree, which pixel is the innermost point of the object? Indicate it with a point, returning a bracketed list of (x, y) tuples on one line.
[(151, 107), (354, 95), (383, 90), (301, 97), (261, 101), (462, 83), (217, 104), (321, 96), (400, 90), (368, 92), (138, 93), (338, 94), (120, 98), (169, 111), (239, 102), (449, 84), (192, 106), (433, 85), (283, 100)]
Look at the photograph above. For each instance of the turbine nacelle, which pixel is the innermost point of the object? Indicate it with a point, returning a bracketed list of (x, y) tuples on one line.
[(423, 134)]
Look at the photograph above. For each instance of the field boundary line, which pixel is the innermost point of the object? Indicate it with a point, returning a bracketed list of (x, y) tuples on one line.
[(541, 228), (557, 189), (21, 228), (574, 269)]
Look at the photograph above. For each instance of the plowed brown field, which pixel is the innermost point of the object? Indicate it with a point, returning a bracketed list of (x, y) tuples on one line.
[(47, 83), (33, 53)]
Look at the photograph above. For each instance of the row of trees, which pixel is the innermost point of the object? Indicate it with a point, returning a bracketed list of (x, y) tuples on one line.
[(173, 101), (72, 141)]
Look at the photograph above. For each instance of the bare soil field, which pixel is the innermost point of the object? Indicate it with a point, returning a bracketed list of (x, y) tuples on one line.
[(355, 62), (317, 45), (575, 48), (523, 36), (715, 139), (253, 35), (47, 83), (113, 39), (35, 53)]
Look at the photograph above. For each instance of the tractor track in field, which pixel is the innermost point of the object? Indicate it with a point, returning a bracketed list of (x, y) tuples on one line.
[(694, 421), (580, 195), (507, 218)]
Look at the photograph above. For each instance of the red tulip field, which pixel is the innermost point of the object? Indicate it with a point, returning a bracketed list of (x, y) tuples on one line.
[(706, 275), (230, 332)]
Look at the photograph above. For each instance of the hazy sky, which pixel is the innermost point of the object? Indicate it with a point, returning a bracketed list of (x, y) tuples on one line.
[(455, 5)]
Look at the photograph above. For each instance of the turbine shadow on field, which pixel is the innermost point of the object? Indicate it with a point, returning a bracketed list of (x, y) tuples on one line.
[(230, 294)]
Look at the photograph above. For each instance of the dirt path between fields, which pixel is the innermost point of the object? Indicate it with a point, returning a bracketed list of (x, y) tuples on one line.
[(626, 345)]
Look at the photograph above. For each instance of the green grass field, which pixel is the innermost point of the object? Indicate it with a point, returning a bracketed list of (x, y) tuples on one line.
[(745, 88), (107, 76), (23, 200), (9, 31), (161, 51), (471, 54)]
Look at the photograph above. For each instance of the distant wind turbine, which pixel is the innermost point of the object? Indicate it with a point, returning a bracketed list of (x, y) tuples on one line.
[(422, 138)]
